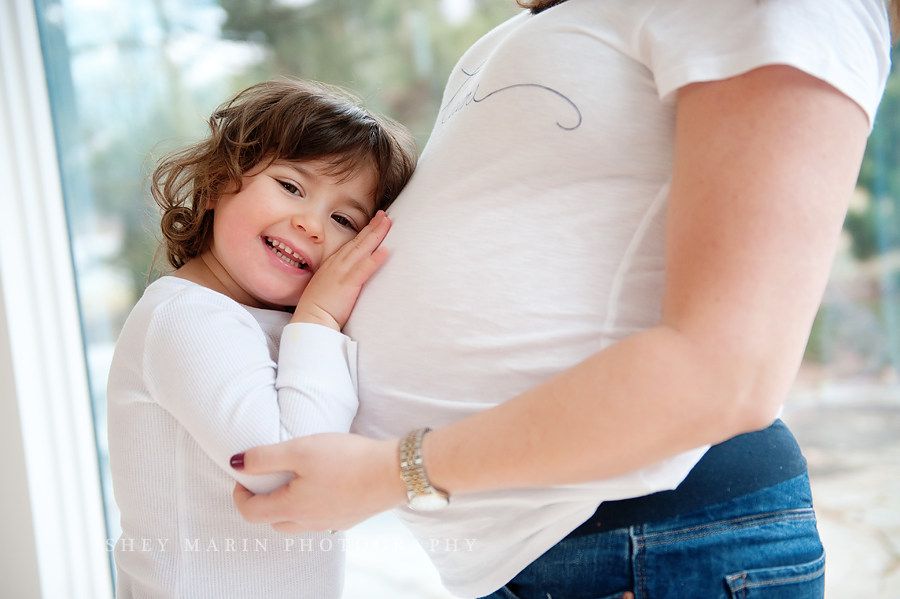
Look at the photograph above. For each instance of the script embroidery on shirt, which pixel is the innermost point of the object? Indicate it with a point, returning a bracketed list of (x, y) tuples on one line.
[(459, 101)]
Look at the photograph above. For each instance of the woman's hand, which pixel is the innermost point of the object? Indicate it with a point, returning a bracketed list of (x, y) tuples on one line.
[(332, 292), (340, 480)]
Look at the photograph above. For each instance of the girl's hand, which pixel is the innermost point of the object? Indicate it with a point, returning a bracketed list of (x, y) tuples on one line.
[(340, 480), (332, 292)]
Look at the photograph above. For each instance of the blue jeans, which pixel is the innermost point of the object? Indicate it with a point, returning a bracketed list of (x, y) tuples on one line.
[(762, 545)]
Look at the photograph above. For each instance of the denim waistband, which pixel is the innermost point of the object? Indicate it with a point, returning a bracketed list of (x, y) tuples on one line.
[(739, 466)]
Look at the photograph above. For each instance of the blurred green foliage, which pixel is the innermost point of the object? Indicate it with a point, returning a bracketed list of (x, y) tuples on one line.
[(859, 320), (874, 228), (395, 54)]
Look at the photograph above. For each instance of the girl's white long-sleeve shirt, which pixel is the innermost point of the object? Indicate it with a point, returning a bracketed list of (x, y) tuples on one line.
[(196, 378)]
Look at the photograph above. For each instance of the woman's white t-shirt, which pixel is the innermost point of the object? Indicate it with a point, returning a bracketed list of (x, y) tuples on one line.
[(531, 235)]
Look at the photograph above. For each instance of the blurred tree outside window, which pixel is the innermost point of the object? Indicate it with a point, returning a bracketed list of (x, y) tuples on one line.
[(129, 81)]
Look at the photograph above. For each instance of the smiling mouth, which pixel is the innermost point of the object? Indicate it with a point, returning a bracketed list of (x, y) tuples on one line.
[(288, 255)]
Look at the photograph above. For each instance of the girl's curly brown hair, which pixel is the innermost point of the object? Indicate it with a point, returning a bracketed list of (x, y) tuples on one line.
[(277, 120)]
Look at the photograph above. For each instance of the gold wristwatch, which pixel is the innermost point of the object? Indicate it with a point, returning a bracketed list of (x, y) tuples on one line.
[(421, 496)]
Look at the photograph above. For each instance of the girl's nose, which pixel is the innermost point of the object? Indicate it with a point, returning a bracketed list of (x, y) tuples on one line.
[(310, 223)]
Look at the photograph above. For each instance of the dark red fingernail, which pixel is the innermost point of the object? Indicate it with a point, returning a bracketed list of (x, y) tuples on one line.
[(237, 461)]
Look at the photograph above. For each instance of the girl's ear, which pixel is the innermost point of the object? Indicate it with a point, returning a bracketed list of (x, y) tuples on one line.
[(211, 203)]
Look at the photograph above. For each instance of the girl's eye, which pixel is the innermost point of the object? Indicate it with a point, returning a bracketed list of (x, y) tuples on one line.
[(290, 188), (343, 221)]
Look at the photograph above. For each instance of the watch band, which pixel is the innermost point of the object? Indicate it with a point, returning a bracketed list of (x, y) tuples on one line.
[(421, 495)]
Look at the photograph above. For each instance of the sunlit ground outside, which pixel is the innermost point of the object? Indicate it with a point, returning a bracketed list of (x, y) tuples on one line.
[(845, 411)]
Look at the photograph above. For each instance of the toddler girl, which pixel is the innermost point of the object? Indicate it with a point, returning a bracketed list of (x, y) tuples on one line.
[(256, 220)]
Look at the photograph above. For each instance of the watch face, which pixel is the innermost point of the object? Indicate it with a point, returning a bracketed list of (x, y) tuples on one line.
[(428, 503)]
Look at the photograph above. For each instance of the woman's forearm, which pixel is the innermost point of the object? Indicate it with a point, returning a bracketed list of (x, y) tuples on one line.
[(644, 399)]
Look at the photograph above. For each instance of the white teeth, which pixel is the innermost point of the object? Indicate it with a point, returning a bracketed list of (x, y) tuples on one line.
[(285, 253)]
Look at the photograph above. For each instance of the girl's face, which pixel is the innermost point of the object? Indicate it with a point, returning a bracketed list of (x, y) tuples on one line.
[(288, 218)]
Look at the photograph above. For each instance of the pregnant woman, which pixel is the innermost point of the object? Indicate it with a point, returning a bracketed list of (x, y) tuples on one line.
[(608, 260)]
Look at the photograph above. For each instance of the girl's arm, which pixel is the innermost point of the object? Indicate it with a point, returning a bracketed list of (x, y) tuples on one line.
[(313, 396), (207, 363), (764, 167)]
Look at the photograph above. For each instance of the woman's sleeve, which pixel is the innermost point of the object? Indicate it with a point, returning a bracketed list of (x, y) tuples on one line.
[(845, 43), (209, 366)]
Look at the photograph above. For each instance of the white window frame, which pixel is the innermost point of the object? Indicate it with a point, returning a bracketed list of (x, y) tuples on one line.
[(51, 510)]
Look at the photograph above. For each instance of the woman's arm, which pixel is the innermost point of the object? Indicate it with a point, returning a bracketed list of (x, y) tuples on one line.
[(764, 167)]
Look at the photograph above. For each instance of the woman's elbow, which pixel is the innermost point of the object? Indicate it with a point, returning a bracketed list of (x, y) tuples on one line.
[(760, 391)]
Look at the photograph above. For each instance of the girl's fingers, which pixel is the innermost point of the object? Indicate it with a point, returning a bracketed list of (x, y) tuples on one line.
[(362, 247), (370, 237), (365, 268)]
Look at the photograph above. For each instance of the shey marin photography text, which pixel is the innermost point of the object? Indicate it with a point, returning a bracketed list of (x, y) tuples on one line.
[(334, 542)]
